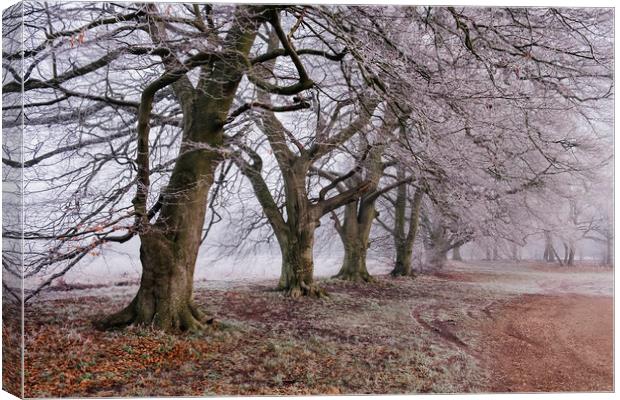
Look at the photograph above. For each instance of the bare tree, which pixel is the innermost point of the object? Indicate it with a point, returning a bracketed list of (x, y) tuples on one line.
[(355, 224), (296, 153), (176, 68)]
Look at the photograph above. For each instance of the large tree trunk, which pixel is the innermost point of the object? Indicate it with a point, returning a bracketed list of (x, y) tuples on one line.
[(296, 238), (404, 241), (402, 266), (296, 279), (164, 299), (169, 249), (355, 235), (456, 253), (295, 234), (359, 216), (354, 263)]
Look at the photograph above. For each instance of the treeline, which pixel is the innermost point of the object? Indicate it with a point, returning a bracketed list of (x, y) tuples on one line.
[(435, 124)]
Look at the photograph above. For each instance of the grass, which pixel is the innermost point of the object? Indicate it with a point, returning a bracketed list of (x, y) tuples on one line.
[(391, 336)]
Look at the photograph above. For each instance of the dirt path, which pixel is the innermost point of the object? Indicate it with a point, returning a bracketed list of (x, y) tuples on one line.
[(552, 343)]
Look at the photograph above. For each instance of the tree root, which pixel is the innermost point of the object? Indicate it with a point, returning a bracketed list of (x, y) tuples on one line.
[(189, 319), (188, 322), (411, 275), (118, 320), (356, 277), (305, 290)]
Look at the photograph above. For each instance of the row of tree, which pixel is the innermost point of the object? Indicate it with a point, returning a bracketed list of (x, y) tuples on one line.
[(159, 121)]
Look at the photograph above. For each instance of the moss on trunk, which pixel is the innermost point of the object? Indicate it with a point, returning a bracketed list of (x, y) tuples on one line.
[(355, 235), (297, 279), (404, 241), (169, 249), (164, 299), (402, 266), (354, 263)]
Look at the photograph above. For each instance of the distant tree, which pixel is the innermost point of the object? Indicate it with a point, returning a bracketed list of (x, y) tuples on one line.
[(403, 223)]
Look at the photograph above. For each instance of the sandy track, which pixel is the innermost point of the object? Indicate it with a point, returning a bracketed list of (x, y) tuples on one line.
[(551, 343)]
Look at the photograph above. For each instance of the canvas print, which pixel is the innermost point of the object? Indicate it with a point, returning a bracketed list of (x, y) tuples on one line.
[(250, 199)]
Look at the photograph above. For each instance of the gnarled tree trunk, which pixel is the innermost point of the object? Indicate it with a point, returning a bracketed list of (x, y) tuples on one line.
[(297, 278), (164, 299), (355, 235), (296, 234), (359, 216), (402, 265), (169, 249)]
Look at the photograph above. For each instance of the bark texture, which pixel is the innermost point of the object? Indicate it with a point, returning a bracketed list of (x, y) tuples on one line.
[(296, 237), (355, 235), (169, 249), (360, 214), (404, 237)]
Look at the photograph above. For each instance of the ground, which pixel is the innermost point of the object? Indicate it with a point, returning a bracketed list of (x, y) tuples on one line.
[(470, 328), (554, 344)]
